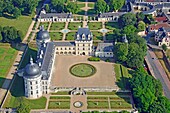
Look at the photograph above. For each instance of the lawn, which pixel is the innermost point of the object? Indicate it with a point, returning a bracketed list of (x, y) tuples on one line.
[(56, 35), (111, 25), (101, 93), (95, 25), (168, 53), (70, 36), (7, 58), (59, 97), (16, 95), (61, 93), (91, 5), (109, 35), (22, 23), (97, 35), (91, 12), (120, 105), (44, 24), (74, 25), (57, 26), (59, 105), (97, 105), (81, 5)]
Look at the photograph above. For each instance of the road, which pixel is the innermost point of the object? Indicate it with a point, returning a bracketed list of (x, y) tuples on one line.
[(159, 72)]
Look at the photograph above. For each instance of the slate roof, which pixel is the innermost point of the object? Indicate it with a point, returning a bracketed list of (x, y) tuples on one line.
[(104, 47), (58, 15), (83, 34), (64, 43), (110, 14)]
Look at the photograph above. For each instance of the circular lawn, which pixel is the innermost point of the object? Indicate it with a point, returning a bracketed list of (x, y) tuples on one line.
[(82, 70)]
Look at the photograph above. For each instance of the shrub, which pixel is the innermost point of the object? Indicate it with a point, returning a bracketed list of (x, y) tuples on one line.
[(107, 60), (93, 59)]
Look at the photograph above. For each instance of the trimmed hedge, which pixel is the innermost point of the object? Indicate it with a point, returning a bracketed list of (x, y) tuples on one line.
[(93, 59)]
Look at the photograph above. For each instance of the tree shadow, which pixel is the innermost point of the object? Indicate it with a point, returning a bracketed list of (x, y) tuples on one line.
[(8, 16), (2, 80), (18, 46)]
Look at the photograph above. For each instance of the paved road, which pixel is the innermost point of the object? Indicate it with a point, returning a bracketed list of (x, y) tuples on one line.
[(159, 72)]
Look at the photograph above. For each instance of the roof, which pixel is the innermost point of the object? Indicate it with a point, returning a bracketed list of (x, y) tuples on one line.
[(110, 14), (161, 19), (43, 34), (104, 47), (157, 26), (64, 43), (56, 15), (83, 34)]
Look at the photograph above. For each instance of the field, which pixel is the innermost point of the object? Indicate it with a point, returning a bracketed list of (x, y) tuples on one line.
[(57, 26), (16, 94), (56, 35), (59, 102), (7, 58), (22, 23)]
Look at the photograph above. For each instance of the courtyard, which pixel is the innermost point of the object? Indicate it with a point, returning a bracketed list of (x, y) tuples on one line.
[(103, 78)]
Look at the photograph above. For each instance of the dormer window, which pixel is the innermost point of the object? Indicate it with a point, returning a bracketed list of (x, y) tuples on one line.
[(89, 36), (83, 37)]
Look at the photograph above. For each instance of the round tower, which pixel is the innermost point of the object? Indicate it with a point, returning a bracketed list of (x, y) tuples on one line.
[(32, 80), (42, 37)]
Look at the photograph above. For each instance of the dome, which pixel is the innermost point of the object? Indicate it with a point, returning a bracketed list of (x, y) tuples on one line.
[(43, 34), (32, 70)]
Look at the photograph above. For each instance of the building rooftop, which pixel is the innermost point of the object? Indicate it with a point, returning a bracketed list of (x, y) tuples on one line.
[(83, 34), (104, 47), (64, 43), (57, 15)]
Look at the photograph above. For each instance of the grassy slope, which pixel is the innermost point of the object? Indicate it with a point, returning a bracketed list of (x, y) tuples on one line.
[(22, 23)]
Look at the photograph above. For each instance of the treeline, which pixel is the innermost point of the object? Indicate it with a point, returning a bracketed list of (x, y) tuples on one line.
[(108, 5), (17, 7), (10, 35), (147, 93), (130, 53)]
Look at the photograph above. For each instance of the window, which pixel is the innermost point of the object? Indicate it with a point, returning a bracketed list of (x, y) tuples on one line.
[(31, 87), (69, 48), (37, 91), (31, 93), (83, 48), (36, 87), (30, 83), (61, 48), (65, 48), (36, 82), (56, 48), (83, 45)]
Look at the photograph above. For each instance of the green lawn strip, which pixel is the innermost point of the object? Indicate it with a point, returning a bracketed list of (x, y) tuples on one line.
[(91, 12), (111, 25), (97, 35), (59, 105), (45, 24), (101, 93), (91, 5), (97, 105), (109, 35), (120, 105), (56, 35), (22, 23), (8, 56), (16, 95), (81, 5), (74, 25), (57, 26), (126, 76), (60, 93), (70, 36), (119, 76), (95, 25), (96, 97), (59, 97)]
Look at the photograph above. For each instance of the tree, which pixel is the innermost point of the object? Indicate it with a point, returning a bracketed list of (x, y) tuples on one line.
[(47, 8), (72, 7), (23, 108), (140, 16), (116, 4), (121, 51), (141, 26), (101, 6), (164, 47), (16, 12), (127, 19), (129, 29), (58, 5), (1, 37)]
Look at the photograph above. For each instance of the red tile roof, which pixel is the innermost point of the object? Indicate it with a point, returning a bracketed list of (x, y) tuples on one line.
[(157, 26), (161, 19)]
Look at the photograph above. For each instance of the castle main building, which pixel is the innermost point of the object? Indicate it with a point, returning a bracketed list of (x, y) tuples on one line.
[(37, 76)]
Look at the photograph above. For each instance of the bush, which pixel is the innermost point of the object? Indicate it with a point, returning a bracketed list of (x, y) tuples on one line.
[(93, 59), (107, 60)]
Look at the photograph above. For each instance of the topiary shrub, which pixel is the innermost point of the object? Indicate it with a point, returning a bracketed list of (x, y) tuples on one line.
[(94, 59)]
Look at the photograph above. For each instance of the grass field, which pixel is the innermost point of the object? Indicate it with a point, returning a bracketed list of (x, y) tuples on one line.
[(16, 95), (70, 36), (81, 5), (44, 24), (22, 23), (97, 105), (7, 58), (91, 5), (95, 25), (59, 105), (97, 35), (56, 36), (74, 25), (60, 93), (109, 35), (111, 25), (57, 26)]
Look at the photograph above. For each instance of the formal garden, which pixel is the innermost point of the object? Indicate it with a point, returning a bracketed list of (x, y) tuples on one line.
[(74, 25), (56, 35), (57, 26)]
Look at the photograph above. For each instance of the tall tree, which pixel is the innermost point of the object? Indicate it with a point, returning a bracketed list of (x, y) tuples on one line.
[(16, 12), (116, 4), (58, 5), (101, 6), (129, 29), (72, 7), (127, 19), (141, 26)]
